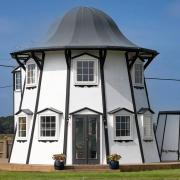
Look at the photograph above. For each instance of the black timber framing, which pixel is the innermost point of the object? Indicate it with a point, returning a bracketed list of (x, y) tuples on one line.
[(154, 130), (67, 54), (179, 140), (147, 94), (163, 138), (36, 109), (19, 62), (102, 57), (85, 53), (134, 107)]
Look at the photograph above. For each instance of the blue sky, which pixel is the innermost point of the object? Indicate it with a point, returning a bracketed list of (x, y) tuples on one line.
[(151, 24)]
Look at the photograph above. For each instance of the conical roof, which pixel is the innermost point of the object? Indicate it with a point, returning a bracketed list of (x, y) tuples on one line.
[(84, 27)]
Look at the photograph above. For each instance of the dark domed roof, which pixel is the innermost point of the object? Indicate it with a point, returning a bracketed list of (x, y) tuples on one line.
[(84, 27)]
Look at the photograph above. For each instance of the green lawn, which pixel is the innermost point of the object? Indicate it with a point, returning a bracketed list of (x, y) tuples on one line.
[(157, 174)]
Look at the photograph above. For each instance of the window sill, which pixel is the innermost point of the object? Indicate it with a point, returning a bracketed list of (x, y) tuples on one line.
[(21, 140), (31, 87), (126, 141), (147, 140), (85, 85), (47, 140), (138, 87)]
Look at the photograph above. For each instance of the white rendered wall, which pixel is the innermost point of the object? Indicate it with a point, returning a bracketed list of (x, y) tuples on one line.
[(160, 130), (52, 94), (129, 151), (118, 94), (117, 86), (20, 148), (149, 147), (171, 138)]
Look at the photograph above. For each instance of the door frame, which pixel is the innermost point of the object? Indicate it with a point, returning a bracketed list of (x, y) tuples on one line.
[(86, 161)]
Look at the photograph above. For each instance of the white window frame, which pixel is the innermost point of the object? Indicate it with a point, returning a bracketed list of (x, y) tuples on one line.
[(57, 119), (35, 76), (148, 138), (86, 58), (20, 137), (15, 82), (134, 73), (131, 127)]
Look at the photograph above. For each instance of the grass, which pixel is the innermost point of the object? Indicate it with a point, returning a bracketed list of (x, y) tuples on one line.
[(150, 175)]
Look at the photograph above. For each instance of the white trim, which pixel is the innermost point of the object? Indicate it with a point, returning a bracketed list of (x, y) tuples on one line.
[(96, 65), (36, 74), (131, 127), (57, 129)]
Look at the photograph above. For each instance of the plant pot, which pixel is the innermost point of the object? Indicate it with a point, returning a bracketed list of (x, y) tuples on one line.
[(58, 165), (114, 164)]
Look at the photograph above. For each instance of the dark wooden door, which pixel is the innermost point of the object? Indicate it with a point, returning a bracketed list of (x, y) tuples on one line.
[(86, 145)]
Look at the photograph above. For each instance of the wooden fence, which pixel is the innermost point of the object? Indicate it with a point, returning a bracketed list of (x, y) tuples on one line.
[(5, 148)]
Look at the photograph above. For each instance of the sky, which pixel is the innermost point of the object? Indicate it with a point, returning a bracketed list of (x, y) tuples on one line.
[(150, 24)]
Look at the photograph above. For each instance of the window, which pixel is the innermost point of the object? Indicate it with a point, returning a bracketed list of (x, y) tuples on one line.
[(22, 130), (48, 127), (31, 74), (147, 128), (138, 73), (86, 72), (123, 127), (18, 80)]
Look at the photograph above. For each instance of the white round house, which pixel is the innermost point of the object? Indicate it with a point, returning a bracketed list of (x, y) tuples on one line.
[(83, 93)]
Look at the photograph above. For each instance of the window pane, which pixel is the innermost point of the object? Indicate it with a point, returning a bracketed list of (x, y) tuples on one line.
[(85, 77), (85, 64), (79, 71), (79, 77), (85, 71), (91, 64)]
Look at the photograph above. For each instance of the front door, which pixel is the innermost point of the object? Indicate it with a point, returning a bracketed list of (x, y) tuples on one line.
[(86, 146)]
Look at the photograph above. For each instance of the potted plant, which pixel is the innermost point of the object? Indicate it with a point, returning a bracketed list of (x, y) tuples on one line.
[(113, 161), (59, 161)]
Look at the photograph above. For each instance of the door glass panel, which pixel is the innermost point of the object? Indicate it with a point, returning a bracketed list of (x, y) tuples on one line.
[(80, 150), (92, 138)]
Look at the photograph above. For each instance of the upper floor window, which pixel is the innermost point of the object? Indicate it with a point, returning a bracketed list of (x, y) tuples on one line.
[(17, 80), (147, 127), (123, 126), (22, 127), (138, 74), (86, 71), (31, 74)]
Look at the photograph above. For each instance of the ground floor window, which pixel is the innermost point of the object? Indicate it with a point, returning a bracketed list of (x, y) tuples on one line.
[(123, 127), (22, 131), (48, 127), (147, 128)]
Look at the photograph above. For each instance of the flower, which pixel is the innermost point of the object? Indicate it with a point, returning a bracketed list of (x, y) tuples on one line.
[(59, 157), (113, 157)]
